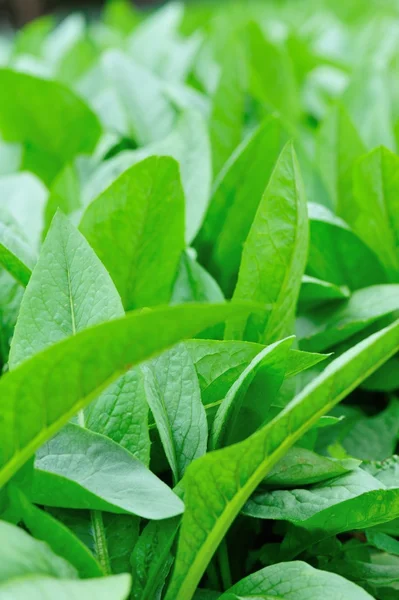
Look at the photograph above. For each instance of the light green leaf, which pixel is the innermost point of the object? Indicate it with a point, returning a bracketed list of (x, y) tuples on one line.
[(336, 254), (194, 284), (121, 413), (149, 112), (126, 227), (373, 210), (79, 293), (315, 291), (304, 467), (338, 146), (274, 255), (295, 581), (57, 124), (383, 542), (82, 469), (16, 256), (174, 396), (66, 377), (152, 559), (46, 588), (328, 325), (237, 194), (22, 555), (217, 485)]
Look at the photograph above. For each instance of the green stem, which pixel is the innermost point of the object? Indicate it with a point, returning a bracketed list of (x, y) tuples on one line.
[(100, 539), (213, 576), (224, 564)]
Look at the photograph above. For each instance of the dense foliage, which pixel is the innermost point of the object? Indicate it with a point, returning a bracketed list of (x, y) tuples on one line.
[(228, 176)]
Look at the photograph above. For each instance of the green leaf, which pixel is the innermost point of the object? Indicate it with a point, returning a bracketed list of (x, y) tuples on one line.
[(22, 555), (81, 469), (174, 396), (235, 418), (274, 255), (78, 294), (65, 378), (315, 292), (64, 194), (374, 207), (16, 256), (152, 560), (227, 115), (304, 467), (46, 588), (383, 542), (121, 532), (194, 284), (217, 485), (150, 114), (328, 325), (121, 413), (294, 581), (237, 194), (338, 146), (126, 227), (272, 78), (60, 539), (220, 363), (57, 124), (386, 379), (337, 255)]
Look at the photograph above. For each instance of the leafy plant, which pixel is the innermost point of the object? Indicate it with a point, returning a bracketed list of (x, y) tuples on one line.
[(228, 175)]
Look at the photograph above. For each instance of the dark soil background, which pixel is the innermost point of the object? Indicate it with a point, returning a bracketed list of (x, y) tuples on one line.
[(18, 12)]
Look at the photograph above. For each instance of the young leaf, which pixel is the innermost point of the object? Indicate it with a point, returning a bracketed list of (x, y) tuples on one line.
[(126, 227), (81, 469), (47, 588), (57, 124), (315, 292), (173, 394), (217, 485), (66, 377), (274, 255), (294, 581), (235, 200)]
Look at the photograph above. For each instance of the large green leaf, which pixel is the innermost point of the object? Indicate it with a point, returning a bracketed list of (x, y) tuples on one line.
[(294, 581), (374, 208), (217, 485), (66, 377), (238, 191), (126, 227), (46, 588), (174, 396), (81, 469), (57, 124), (274, 255)]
